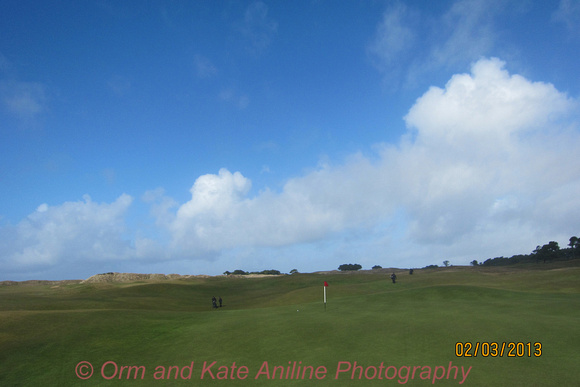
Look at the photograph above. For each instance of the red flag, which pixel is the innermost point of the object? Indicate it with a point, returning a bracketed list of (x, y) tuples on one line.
[(325, 283)]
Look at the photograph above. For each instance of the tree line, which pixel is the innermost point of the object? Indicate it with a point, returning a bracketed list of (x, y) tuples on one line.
[(549, 252)]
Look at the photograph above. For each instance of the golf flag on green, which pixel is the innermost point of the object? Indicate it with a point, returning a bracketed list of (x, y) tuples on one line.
[(325, 286)]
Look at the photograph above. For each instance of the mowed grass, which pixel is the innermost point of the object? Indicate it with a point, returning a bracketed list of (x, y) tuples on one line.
[(45, 331)]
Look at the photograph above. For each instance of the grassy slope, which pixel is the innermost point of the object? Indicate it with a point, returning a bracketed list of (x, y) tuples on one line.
[(45, 331)]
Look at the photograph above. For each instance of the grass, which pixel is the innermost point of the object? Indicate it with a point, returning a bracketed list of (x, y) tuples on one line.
[(45, 331)]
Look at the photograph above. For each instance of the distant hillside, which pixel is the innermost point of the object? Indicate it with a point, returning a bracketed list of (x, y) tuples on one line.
[(131, 277)]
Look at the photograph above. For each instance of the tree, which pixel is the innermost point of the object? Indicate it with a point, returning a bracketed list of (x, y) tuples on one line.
[(547, 252), (349, 266), (446, 263), (474, 262), (293, 271), (377, 267), (574, 245)]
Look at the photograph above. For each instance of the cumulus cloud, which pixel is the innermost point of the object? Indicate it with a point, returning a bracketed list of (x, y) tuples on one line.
[(71, 233), (487, 156), (486, 103), (488, 139), (220, 215), (203, 223)]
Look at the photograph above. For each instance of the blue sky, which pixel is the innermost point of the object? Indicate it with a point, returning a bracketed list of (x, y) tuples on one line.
[(199, 137)]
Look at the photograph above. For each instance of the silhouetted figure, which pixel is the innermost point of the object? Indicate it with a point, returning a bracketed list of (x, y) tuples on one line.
[(394, 277), (214, 302), (220, 300), (411, 271)]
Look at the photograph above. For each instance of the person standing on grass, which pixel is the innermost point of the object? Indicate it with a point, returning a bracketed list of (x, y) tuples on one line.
[(220, 301), (213, 302), (394, 277)]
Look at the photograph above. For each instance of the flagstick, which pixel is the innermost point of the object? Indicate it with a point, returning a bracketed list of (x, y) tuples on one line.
[(325, 298)]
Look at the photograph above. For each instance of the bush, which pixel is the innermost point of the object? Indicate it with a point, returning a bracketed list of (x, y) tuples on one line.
[(270, 272), (349, 266)]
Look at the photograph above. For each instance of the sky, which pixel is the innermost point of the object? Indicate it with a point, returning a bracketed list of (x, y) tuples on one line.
[(198, 137)]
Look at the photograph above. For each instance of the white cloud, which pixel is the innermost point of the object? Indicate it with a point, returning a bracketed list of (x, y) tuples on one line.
[(486, 136), (202, 224), (215, 194), (71, 233), (221, 216), (487, 158), (487, 105)]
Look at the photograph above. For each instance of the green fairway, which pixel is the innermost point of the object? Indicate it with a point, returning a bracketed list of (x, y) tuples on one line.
[(395, 334)]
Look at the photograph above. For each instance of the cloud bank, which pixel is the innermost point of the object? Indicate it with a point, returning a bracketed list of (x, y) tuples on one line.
[(70, 233), (487, 167), (490, 150)]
